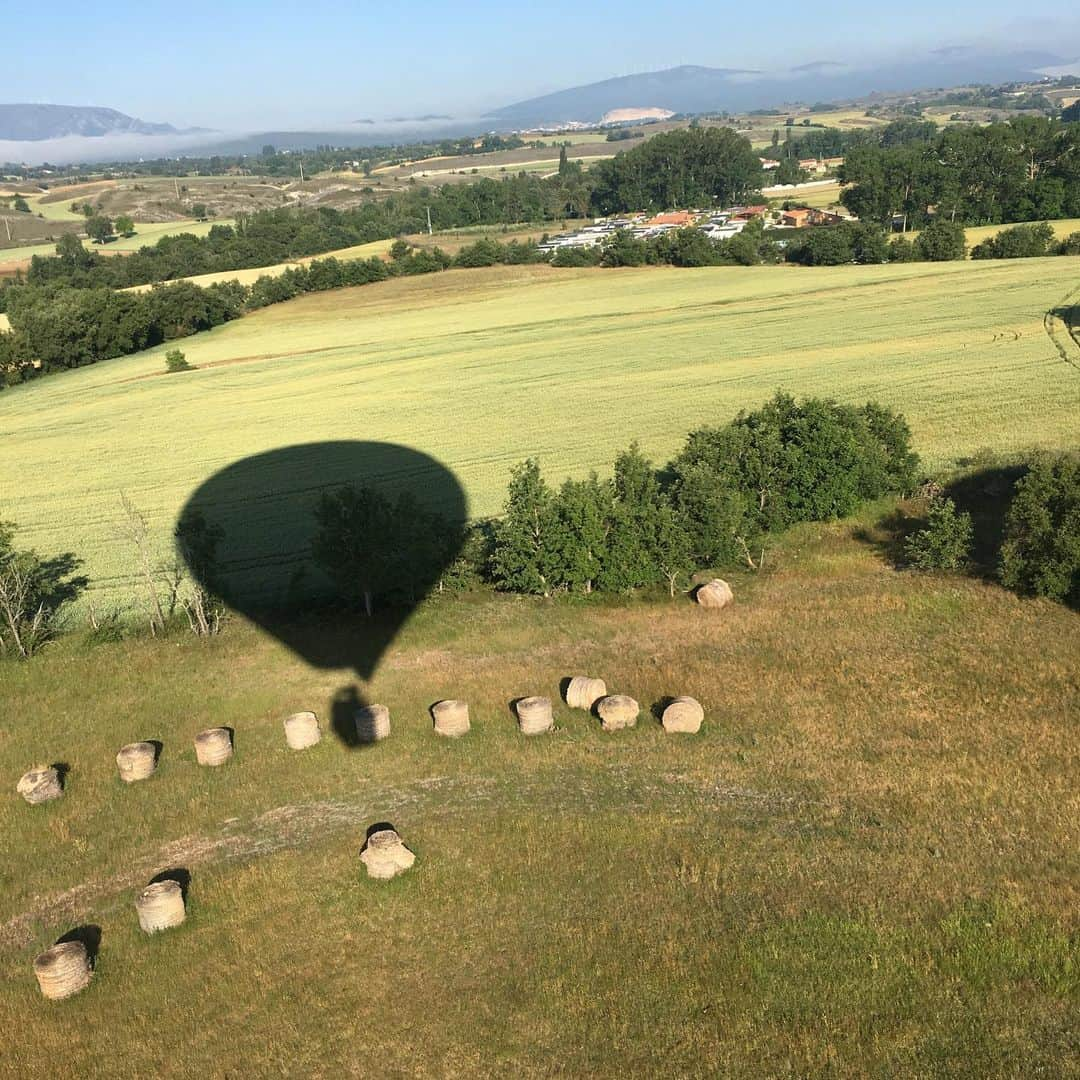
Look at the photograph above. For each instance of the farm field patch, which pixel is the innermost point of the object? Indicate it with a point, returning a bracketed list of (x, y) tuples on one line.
[(480, 369)]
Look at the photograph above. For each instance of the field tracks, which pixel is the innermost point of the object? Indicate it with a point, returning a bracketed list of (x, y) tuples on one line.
[(297, 825), (1067, 314)]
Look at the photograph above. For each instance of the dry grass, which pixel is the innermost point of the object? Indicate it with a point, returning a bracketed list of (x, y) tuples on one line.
[(864, 865)]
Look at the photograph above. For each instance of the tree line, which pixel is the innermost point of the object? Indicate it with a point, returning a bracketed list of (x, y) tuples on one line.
[(1026, 169)]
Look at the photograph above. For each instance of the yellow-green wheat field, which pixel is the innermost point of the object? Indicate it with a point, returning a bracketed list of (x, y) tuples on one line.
[(480, 369)]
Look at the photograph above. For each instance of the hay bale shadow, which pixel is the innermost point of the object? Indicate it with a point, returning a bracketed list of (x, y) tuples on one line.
[(89, 936), (656, 709), (179, 874), (378, 826), (62, 769)]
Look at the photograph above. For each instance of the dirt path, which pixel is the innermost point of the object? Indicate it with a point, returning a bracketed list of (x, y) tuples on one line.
[(295, 825)]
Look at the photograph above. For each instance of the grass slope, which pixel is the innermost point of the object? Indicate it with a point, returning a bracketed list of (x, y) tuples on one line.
[(864, 865), (481, 368)]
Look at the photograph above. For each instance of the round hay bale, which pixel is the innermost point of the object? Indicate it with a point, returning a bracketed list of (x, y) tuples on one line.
[(583, 692), (302, 730), (451, 717), (136, 761), (160, 905), (385, 856), (534, 715), (684, 714), (40, 784), (62, 970), (213, 746), (372, 723), (714, 595), (617, 711)]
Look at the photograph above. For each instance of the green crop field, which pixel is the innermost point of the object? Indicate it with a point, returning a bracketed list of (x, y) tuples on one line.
[(481, 368)]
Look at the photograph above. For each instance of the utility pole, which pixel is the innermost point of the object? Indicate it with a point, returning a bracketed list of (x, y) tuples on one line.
[(301, 170), (7, 225), (176, 188), (428, 208)]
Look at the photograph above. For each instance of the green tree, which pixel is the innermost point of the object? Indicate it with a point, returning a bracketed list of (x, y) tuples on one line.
[(176, 361), (21, 205), (32, 592), (944, 543), (578, 535), (522, 558), (790, 172), (1041, 552), (621, 248), (695, 167), (631, 547), (1019, 242), (941, 241), (125, 225), (99, 228)]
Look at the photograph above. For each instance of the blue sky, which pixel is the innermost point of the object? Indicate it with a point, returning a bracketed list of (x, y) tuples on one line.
[(240, 65)]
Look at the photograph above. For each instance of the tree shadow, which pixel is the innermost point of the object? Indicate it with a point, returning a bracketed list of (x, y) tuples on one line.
[(263, 509), (90, 938), (986, 493), (179, 874), (58, 583)]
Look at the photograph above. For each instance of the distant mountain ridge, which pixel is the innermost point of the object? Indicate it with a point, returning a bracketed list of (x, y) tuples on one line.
[(695, 89), (32, 123)]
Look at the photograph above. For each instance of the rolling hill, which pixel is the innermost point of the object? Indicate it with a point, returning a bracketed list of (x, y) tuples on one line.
[(33, 122), (695, 89)]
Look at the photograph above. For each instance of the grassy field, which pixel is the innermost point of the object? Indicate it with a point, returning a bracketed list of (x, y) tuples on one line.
[(864, 866), (12, 259), (249, 277), (481, 368), (1062, 228)]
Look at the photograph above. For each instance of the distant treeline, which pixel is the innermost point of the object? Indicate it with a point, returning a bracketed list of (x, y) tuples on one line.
[(837, 245), (1025, 170), (56, 326)]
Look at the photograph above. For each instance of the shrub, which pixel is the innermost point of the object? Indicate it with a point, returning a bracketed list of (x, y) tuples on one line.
[(1070, 245), (944, 543), (622, 249), (577, 256), (32, 592), (1041, 552), (941, 241), (176, 361), (902, 250), (1020, 242)]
